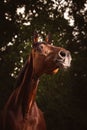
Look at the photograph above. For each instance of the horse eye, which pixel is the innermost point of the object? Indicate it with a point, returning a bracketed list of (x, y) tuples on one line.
[(41, 47)]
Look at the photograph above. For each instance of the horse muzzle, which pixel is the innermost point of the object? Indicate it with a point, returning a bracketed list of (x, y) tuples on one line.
[(63, 59)]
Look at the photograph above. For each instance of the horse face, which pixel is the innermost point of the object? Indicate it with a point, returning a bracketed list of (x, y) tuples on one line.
[(48, 58)]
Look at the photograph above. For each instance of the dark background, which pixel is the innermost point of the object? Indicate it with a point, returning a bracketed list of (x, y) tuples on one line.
[(63, 96)]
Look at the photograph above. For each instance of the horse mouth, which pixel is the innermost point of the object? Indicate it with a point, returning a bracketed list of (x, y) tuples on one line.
[(65, 63), (60, 64)]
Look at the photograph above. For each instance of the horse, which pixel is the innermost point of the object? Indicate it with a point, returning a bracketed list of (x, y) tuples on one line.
[(21, 111)]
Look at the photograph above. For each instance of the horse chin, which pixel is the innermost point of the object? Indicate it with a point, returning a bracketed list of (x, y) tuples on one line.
[(55, 71)]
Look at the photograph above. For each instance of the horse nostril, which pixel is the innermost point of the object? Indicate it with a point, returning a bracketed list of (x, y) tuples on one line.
[(62, 54)]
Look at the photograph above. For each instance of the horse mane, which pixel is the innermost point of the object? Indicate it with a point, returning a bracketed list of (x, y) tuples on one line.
[(20, 77)]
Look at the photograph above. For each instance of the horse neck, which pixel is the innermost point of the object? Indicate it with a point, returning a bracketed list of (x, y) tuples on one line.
[(27, 89)]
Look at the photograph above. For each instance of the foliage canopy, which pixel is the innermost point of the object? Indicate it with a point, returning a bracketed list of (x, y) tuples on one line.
[(63, 99)]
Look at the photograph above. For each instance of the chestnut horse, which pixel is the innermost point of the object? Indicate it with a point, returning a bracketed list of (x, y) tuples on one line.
[(21, 111)]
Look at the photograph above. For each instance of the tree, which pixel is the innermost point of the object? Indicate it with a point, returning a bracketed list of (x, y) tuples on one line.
[(66, 20)]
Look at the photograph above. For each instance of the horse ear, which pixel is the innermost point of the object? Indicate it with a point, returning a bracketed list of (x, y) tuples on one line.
[(48, 38), (35, 37)]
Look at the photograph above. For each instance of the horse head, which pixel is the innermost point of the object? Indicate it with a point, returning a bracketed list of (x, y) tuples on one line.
[(48, 58)]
